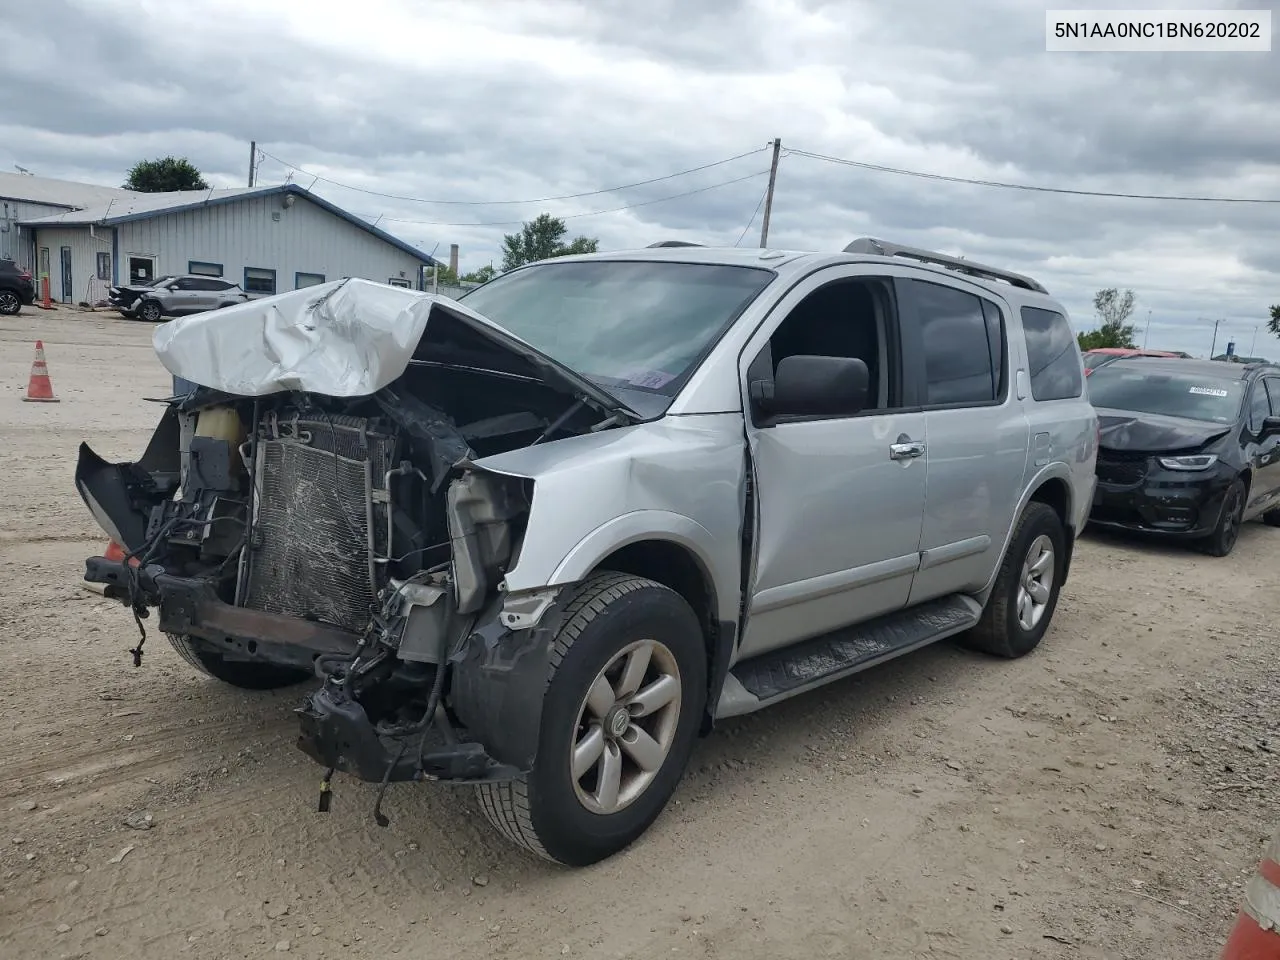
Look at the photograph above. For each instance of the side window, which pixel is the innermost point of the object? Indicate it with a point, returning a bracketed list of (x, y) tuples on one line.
[(845, 318), (962, 359), (186, 283), (1273, 393), (1259, 406), (1052, 354)]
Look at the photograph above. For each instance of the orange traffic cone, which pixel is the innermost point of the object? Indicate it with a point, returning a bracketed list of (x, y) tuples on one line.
[(46, 302), (116, 552), (40, 387), (1256, 935)]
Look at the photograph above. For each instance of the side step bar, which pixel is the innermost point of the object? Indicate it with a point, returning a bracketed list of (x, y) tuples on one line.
[(779, 674)]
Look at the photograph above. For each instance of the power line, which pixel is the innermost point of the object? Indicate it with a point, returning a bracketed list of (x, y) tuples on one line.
[(484, 203), (879, 168), (759, 204), (575, 216)]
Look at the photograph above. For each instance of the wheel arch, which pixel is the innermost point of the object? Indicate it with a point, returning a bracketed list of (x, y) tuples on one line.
[(678, 567), (1052, 487)]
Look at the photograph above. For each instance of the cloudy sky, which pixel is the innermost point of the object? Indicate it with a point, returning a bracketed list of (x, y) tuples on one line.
[(489, 100)]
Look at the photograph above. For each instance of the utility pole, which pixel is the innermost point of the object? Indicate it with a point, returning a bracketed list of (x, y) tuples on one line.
[(1254, 345), (1147, 333), (253, 161), (768, 196), (1215, 338)]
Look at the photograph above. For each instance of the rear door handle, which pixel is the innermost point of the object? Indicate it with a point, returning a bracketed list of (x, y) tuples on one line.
[(906, 450)]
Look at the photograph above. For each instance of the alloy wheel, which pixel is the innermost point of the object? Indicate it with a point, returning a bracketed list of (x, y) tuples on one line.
[(9, 302), (625, 727), (1035, 586)]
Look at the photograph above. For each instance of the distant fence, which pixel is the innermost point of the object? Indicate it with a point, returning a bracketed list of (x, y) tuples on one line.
[(449, 289)]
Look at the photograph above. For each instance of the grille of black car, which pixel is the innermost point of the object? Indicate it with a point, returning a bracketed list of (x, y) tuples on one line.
[(1119, 467)]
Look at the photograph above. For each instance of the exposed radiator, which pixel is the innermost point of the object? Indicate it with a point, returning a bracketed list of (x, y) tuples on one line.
[(317, 526)]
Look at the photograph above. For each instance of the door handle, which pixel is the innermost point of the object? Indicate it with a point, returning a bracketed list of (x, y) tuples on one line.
[(906, 450)]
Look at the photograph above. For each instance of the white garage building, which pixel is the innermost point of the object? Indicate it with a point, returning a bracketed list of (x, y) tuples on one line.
[(268, 239)]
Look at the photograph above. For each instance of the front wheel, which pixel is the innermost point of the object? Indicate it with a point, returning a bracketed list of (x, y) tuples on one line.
[(1227, 531), (620, 713), (238, 673), (1026, 589), (150, 312)]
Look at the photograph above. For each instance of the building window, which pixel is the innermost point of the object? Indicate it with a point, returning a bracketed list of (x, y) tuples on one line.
[(104, 266), (259, 280), (399, 282), (202, 268), (301, 280)]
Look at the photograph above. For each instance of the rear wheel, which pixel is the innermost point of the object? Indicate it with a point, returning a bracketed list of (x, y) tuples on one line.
[(620, 714), (10, 303), (1223, 539), (1026, 589), (239, 673)]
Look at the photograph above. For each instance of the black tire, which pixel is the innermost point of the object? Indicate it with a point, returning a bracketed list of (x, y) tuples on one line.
[(1271, 518), (150, 311), (1000, 632), (541, 811), (10, 303), (237, 673), (1227, 530)]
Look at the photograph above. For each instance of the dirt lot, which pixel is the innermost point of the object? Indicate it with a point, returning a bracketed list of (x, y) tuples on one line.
[(1103, 798)]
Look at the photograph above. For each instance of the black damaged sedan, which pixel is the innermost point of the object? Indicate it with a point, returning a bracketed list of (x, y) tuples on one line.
[(1188, 448)]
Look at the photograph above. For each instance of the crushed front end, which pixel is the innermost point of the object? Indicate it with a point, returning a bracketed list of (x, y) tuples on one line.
[(298, 535)]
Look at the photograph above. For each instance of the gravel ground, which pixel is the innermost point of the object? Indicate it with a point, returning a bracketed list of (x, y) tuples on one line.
[(1105, 797)]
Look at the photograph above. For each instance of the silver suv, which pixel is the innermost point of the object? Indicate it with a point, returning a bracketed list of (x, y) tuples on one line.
[(175, 297), (541, 539)]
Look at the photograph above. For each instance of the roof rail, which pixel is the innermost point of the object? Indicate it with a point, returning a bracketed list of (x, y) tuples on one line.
[(673, 243), (883, 248)]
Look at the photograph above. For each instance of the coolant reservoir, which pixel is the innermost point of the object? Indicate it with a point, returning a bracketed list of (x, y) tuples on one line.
[(221, 422)]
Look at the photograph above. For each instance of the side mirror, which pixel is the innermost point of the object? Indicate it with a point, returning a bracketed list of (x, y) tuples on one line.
[(813, 386), (1270, 426)]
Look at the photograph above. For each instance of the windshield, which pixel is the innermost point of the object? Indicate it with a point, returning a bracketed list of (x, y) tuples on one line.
[(635, 328), (1125, 386), (1094, 358)]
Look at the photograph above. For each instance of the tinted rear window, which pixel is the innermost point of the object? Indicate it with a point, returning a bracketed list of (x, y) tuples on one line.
[(1053, 355)]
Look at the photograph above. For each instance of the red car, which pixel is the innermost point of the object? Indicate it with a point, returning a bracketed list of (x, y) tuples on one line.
[(1094, 359)]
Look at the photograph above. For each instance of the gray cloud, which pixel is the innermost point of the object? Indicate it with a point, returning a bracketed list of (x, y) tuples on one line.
[(534, 98)]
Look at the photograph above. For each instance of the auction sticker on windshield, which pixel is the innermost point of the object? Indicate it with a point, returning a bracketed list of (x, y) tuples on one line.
[(1208, 391)]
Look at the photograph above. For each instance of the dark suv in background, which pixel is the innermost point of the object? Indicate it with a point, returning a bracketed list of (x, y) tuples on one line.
[(17, 289), (1189, 448)]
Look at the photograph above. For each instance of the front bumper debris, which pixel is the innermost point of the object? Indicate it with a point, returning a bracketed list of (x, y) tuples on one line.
[(189, 607), (338, 734)]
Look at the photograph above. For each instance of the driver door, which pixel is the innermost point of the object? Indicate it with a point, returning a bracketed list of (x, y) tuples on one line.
[(839, 500)]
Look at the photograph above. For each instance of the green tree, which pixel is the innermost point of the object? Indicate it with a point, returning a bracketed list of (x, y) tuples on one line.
[(1274, 323), (539, 239), (164, 175), (1113, 309), (483, 275)]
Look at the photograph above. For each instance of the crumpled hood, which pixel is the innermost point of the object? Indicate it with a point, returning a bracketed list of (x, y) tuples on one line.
[(1142, 432), (345, 338)]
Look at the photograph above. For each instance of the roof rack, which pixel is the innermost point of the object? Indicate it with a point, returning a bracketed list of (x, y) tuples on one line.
[(883, 248), (673, 243)]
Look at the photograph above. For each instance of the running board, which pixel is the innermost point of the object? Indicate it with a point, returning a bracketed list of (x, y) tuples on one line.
[(779, 674)]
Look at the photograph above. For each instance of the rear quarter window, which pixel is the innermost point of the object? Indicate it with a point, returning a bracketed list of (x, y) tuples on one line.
[(1052, 354)]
